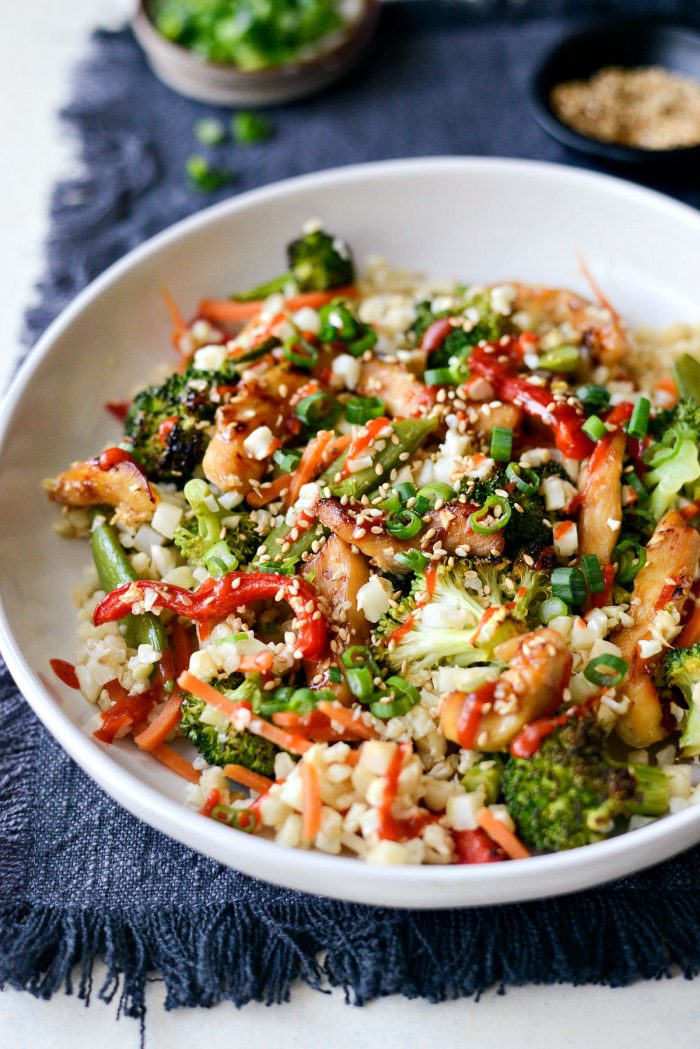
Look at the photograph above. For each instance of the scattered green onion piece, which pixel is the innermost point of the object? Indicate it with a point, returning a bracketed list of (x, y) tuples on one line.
[(569, 585), (300, 352), (422, 505), (552, 608), (594, 427), (203, 177), (594, 398), (359, 681), (337, 322), (250, 128), (413, 559), (636, 484), (366, 342), (560, 359), (391, 505), (362, 409), (404, 524), (283, 694), (501, 443), (317, 409), (459, 367), (593, 573), (405, 698), (524, 479), (616, 669), (276, 567), (437, 376), (218, 560), (231, 639), (639, 420), (356, 656), (335, 675), (303, 701), (433, 493), (405, 491), (287, 461), (210, 131), (499, 523), (239, 819), (631, 558)]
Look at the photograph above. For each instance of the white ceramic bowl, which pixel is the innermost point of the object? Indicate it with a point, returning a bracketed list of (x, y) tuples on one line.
[(474, 219)]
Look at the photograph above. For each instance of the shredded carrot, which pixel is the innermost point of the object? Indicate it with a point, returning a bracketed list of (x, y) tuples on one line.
[(319, 452), (345, 716), (691, 631), (286, 740), (227, 311), (267, 493), (179, 325), (161, 727), (248, 778), (311, 798), (175, 762), (498, 832), (690, 511), (210, 695), (668, 387), (260, 663), (300, 722)]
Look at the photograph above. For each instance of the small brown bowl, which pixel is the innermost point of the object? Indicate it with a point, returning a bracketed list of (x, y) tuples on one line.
[(225, 85)]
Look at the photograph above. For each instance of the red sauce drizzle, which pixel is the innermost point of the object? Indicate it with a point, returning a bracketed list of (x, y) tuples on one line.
[(364, 439), (65, 672), (470, 716), (390, 827), (430, 580), (665, 596)]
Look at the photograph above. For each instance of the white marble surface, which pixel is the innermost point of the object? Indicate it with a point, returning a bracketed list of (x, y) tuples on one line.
[(40, 39)]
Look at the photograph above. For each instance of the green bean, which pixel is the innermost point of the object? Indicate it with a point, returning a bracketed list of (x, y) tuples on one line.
[(686, 373), (114, 568)]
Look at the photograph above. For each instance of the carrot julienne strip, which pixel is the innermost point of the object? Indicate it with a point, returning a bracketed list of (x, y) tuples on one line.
[(311, 798), (286, 740), (345, 716), (248, 778), (228, 311), (161, 727), (504, 837)]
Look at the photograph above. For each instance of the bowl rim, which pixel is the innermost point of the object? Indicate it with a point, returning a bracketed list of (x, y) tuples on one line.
[(540, 85), (149, 37), (361, 882)]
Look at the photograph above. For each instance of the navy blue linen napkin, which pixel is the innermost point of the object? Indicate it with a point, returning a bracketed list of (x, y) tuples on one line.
[(79, 877)]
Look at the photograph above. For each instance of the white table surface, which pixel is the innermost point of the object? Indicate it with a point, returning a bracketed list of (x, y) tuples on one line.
[(39, 42)]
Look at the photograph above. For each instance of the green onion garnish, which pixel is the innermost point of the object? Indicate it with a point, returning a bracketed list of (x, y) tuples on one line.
[(476, 519), (431, 494), (249, 128), (615, 671), (360, 681), (501, 443), (438, 376), (639, 420), (405, 698), (405, 491), (593, 574), (317, 409), (356, 656), (239, 819), (231, 639), (203, 177), (210, 131), (631, 558), (594, 427), (524, 479), (569, 585), (366, 342), (552, 608), (404, 524), (303, 700), (335, 675), (337, 322), (287, 461), (218, 559), (300, 352), (560, 359), (362, 409), (413, 559), (593, 398), (636, 484)]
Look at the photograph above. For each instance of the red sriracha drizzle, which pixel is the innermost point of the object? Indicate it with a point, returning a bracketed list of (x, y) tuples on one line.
[(364, 439), (497, 362), (222, 596), (470, 715), (430, 576), (65, 672), (390, 827)]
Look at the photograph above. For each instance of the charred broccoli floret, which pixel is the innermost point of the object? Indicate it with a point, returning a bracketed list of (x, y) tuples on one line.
[(206, 540), (318, 261), (673, 458), (682, 670), (569, 793), (529, 528), (485, 775), (215, 737)]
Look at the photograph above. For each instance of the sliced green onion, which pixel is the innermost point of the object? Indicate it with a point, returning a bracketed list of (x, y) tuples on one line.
[(459, 367), (303, 700), (595, 428), (594, 398), (317, 409), (631, 558), (593, 573), (209, 131), (337, 322), (560, 359), (422, 504), (413, 559), (335, 675), (250, 128), (362, 409), (405, 698), (524, 479), (614, 673), (639, 420), (300, 352), (231, 639), (437, 376), (356, 656), (391, 505), (433, 493), (360, 681), (636, 484), (552, 608), (405, 491), (218, 559), (569, 585), (203, 177), (239, 819), (501, 443), (287, 461), (404, 524), (475, 520), (366, 342), (276, 567)]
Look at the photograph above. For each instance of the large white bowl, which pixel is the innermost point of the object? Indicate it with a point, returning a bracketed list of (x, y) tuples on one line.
[(480, 220)]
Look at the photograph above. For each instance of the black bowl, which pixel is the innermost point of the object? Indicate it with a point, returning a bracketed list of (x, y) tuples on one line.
[(631, 42)]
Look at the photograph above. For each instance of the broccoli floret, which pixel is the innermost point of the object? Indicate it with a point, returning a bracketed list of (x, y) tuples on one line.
[(682, 420), (569, 793), (445, 629), (206, 538), (674, 457), (489, 326), (216, 739), (162, 425), (528, 530), (682, 670), (318, 261), (486, 775)]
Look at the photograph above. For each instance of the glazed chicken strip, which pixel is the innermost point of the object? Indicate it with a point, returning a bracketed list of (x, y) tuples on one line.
[(365, 530), (403, 394), (600, 517), (663, 584), (531, 687), (598, 327), (122, 485)]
